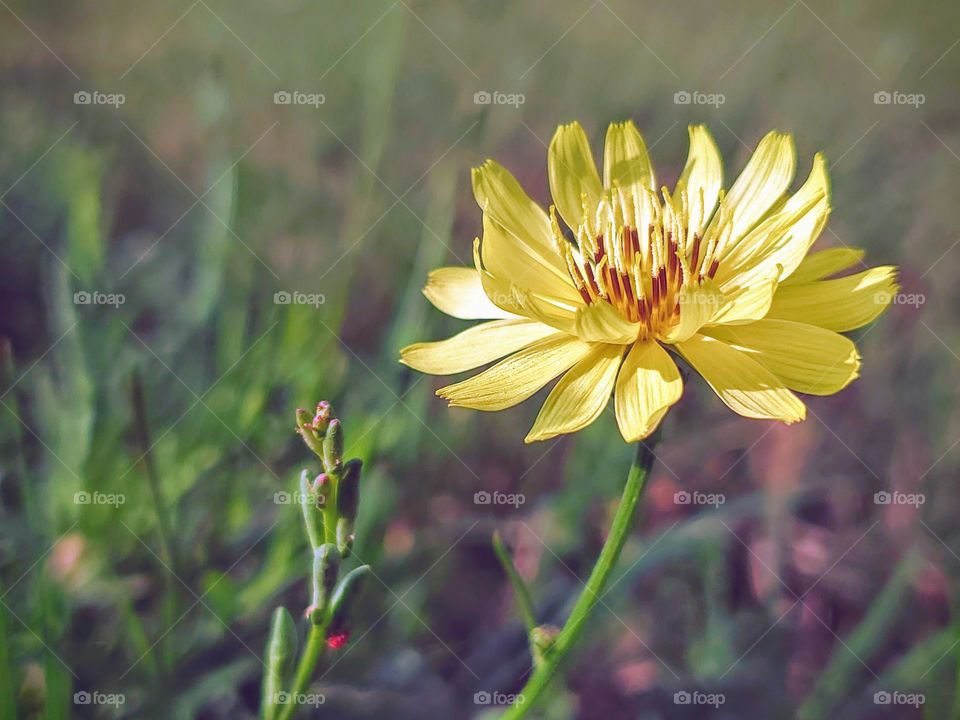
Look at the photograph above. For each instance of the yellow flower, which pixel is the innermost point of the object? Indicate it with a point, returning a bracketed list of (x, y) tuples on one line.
[(601, 294)]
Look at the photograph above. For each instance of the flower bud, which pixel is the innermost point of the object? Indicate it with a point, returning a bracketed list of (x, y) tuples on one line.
[(542, 638), (312, 515), (333, 446), (321, 488), (322, 417), (305, 428), (303, 417)]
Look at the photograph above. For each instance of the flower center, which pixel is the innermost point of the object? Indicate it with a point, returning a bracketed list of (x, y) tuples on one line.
[(637, 254)]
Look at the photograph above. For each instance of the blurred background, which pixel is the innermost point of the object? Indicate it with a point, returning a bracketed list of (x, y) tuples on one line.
[(213, 213)]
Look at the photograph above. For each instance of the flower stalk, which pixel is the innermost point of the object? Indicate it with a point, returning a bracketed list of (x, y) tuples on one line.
[(592, 593), (329, 504)]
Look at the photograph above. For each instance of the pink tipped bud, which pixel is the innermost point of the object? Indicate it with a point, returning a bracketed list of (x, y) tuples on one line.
[(320, 482), (322, 417), (337, 640)]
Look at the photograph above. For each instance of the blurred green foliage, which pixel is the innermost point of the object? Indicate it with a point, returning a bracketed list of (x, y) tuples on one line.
[(199, 198)]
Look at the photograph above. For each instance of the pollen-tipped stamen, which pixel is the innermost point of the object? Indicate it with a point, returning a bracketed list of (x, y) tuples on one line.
[(641, 272)]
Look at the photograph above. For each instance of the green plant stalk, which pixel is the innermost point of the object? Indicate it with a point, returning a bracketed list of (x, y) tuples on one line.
[(593, 591), (305, 667), (168, 553), (522, 593)]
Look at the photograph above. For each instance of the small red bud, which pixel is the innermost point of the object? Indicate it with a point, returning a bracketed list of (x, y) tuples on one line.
[(337, 640)]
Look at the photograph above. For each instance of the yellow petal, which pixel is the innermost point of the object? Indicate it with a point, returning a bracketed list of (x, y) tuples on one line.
[(513, 380), (473, 347), (517, 301), (580, 396), (825, 263), (783, 238), (765, 178), (648, 384), (840, 305), (600, 322), (626, 163), (749, 302), (518, 263), (497, 192), (458, 292), (573, 173), (806, 358), (744, 385), (698, 305), (701, 179)]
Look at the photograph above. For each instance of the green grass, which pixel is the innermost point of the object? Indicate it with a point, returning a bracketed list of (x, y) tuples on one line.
[(181, 399)]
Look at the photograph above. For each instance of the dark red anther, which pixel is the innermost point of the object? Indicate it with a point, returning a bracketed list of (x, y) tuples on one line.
[(696, 252)]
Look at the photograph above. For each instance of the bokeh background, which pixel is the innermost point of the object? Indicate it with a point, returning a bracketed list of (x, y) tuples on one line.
[(201, 195)]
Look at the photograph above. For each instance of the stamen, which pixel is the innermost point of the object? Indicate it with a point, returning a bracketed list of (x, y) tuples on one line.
[(641, 273)]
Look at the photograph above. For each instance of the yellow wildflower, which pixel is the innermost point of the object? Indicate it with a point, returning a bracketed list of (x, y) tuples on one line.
[(619, 274)]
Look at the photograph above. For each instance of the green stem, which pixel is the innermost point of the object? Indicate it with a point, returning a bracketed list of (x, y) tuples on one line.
[(168, 552), (308, 662), (593, 591), (524, 602)]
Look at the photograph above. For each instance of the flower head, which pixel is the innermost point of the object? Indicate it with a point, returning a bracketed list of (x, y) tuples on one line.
[(621, 273)]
